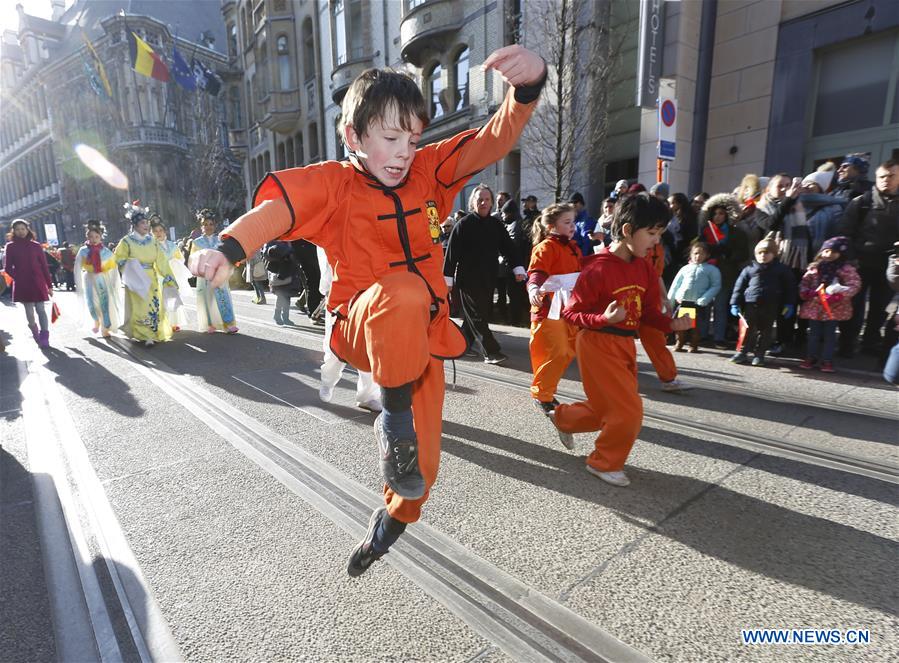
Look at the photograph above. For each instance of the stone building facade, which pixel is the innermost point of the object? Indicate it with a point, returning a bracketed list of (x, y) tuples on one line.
[(171, 143)]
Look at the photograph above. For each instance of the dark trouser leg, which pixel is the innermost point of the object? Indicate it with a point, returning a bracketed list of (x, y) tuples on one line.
[(308, 258), (879, 296), (475, 308)]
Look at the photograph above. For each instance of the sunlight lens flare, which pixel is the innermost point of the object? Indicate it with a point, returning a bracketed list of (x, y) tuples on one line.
[(101, 166)]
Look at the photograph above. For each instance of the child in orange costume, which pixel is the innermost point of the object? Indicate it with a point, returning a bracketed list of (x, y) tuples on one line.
[(653, 340), (377, 216), (616, 293), (555, 263)]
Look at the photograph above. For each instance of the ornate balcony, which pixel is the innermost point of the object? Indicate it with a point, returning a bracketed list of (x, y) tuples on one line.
[(430, 25), (347, 71), (237, 141), (143, 136), (280, 110)]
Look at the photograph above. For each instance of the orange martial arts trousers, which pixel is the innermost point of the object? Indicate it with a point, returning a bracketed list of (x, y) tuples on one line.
[(552, 349), (608, 366), (386, 333), (653, 341)]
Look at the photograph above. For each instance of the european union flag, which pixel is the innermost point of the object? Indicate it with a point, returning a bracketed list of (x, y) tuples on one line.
[(181, 72)]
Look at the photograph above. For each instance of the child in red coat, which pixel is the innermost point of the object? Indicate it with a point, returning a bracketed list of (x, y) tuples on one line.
[(616, 293)]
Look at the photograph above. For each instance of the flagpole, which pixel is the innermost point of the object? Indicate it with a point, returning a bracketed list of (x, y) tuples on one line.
[(140, 110)]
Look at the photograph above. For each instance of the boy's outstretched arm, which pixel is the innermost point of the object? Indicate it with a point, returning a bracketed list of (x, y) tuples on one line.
[(525, 71), (240, 239)]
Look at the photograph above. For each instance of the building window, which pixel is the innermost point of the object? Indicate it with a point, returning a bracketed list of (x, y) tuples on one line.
[(234, 103), (852, 93), (267, 162), (433, 88), (232, 40), (308, 51), (415, 3), (460, 74), (284, 73), (313, 143), (339, 33), (288, 149), (355, 28), (249, 104), (280, 157), (299, 157)]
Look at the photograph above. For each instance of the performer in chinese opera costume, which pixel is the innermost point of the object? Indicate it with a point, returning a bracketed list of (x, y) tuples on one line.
[(377, 216), (174, 305), (97, 282), (215, 311), (147, 277)]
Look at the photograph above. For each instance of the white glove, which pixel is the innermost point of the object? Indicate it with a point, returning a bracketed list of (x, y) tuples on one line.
[(836, 289), (449, 281)]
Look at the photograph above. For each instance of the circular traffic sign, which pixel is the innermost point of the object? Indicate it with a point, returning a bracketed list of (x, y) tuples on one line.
[(668, 112)]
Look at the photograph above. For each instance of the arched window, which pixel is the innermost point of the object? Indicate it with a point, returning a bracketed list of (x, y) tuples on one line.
[(284, 63), (313, 143), (460, 74), (308, 50), (340, 54), (434, 87)]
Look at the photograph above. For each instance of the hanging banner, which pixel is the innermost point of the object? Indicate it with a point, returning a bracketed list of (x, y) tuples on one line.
[(50, 234), (650, 43)]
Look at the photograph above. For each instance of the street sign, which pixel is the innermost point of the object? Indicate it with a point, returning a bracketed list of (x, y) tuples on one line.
[(667, 120)]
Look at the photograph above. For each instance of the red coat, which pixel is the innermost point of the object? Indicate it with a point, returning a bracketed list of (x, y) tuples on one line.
[(27, 265)]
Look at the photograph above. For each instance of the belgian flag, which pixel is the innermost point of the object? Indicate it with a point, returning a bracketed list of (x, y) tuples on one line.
[(144, 59)]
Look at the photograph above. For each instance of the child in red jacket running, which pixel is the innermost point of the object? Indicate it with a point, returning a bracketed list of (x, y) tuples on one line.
[(617, 292)]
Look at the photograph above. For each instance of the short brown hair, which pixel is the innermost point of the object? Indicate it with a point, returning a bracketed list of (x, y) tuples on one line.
[(377, 92)]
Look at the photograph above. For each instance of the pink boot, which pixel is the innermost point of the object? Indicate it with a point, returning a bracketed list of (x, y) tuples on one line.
[(34, 333), (44, 338)]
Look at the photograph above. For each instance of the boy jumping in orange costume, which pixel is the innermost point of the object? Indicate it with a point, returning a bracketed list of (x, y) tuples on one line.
[(377, 216), (616, 292)]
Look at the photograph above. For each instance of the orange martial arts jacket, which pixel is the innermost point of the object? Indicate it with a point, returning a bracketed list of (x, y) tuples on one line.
[(369, 230), (554, 255)]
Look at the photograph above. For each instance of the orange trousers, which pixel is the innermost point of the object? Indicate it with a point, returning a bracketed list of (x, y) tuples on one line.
[(386, 333), (653, 341), (608, 366), (552, 349)]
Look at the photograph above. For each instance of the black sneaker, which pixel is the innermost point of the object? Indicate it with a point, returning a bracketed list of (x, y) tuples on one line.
[(545, 407), (776, 349), (399, 464), (496, 358), (364, 554)]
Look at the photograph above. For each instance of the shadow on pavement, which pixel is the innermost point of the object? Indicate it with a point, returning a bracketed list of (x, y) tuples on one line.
[(90, 379), (841, 561)]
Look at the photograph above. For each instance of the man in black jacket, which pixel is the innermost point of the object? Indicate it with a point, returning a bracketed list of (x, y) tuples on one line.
[(871, 221), (472, 257)]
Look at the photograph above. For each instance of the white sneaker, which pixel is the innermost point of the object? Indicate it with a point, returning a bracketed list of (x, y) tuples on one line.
[(567, 439), (326, 393), (373, 405), (676, 386), (618, 478), (149, 344)]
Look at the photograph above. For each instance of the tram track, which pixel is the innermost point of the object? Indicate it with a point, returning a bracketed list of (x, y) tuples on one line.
[(522, 622), (853, 463)]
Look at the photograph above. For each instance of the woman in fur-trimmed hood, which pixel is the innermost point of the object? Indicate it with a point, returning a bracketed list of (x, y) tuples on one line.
[(728, 250)]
